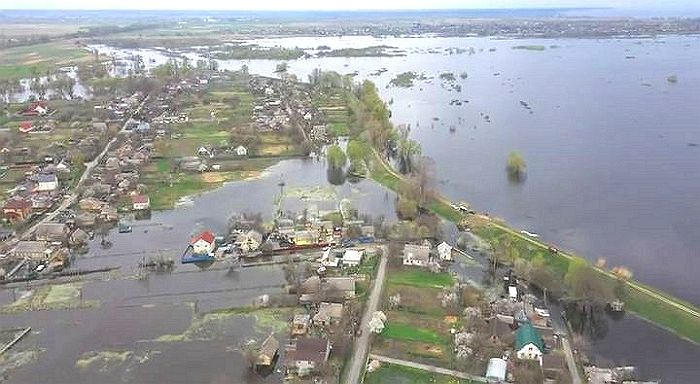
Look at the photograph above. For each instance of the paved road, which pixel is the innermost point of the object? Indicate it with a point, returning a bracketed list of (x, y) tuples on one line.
[(362, 343), (570, 361), (429, 368), (560, 329)]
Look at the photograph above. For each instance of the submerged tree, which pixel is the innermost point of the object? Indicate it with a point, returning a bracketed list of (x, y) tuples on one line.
[(515, 166), (336, 157)]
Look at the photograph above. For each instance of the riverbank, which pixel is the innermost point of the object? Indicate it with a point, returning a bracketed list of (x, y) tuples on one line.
[(661, 309)]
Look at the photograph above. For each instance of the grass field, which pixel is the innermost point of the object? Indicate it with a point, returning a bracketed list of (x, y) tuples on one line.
[(24, 61), (396, 374), (407, 332), (421, 278)]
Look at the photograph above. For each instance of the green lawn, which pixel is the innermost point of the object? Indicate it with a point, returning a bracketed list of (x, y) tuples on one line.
[(397, 374), (421, 278), (406, 332)]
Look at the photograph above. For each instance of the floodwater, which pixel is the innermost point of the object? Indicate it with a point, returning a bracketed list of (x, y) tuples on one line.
[(611, 148), (134, 313)]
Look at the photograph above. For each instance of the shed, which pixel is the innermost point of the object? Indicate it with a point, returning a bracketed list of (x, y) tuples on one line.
[(268, 351), (496, 370)]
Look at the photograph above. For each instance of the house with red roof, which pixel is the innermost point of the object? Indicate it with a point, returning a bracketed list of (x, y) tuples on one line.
[(203, 244), (37, 108), (17, 209), (140, 202), (26, 126)]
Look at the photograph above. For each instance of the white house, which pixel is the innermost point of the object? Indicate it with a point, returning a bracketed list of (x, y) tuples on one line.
[(241, 151), (445, 251), (352, 257), (528, 343), (46, 183), (418, 255), (140, 202), (203, 244), (329, 259)]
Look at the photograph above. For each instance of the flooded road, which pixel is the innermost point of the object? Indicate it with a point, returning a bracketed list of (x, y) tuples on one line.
[(125, 328)]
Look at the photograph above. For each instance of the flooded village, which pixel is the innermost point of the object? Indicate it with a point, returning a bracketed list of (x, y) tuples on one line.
[(182, 218)]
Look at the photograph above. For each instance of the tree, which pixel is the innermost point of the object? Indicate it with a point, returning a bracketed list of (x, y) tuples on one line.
[(406, 208), (515, 166), (408, 149), (336, 157), (587, 285)]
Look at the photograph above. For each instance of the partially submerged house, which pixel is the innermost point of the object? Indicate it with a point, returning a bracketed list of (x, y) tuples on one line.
[(418, 255), (267, 352), (140, 202), (203, 244)]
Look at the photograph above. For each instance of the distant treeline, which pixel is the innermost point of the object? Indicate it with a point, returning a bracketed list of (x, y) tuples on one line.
[(94, 31)]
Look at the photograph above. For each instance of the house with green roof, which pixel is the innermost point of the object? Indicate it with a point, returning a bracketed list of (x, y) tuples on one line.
[(528, 343)]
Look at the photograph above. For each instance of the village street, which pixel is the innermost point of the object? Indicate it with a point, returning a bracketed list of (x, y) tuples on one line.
[(356, 367), (89, 166)]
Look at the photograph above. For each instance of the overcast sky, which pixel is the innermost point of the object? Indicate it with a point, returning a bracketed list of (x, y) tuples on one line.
[(338, 5)]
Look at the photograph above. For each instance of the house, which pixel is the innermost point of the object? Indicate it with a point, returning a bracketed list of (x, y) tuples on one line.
[(142, 127), (26, 126), (528, 343), (140, 202), (45, 182), (308, 354), (52, 232), (241, 151), (37, 108), (207, 151), (328, 314), (305, 237), (352, 257), (90, 204), (6, 234), (444, 251), (17, 209), (418, 255), (250, 241), (338, 288), (310, 289), (203, 244), (330, 258), (268, 351), (300, 324), (41, 200), (35, 250)]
